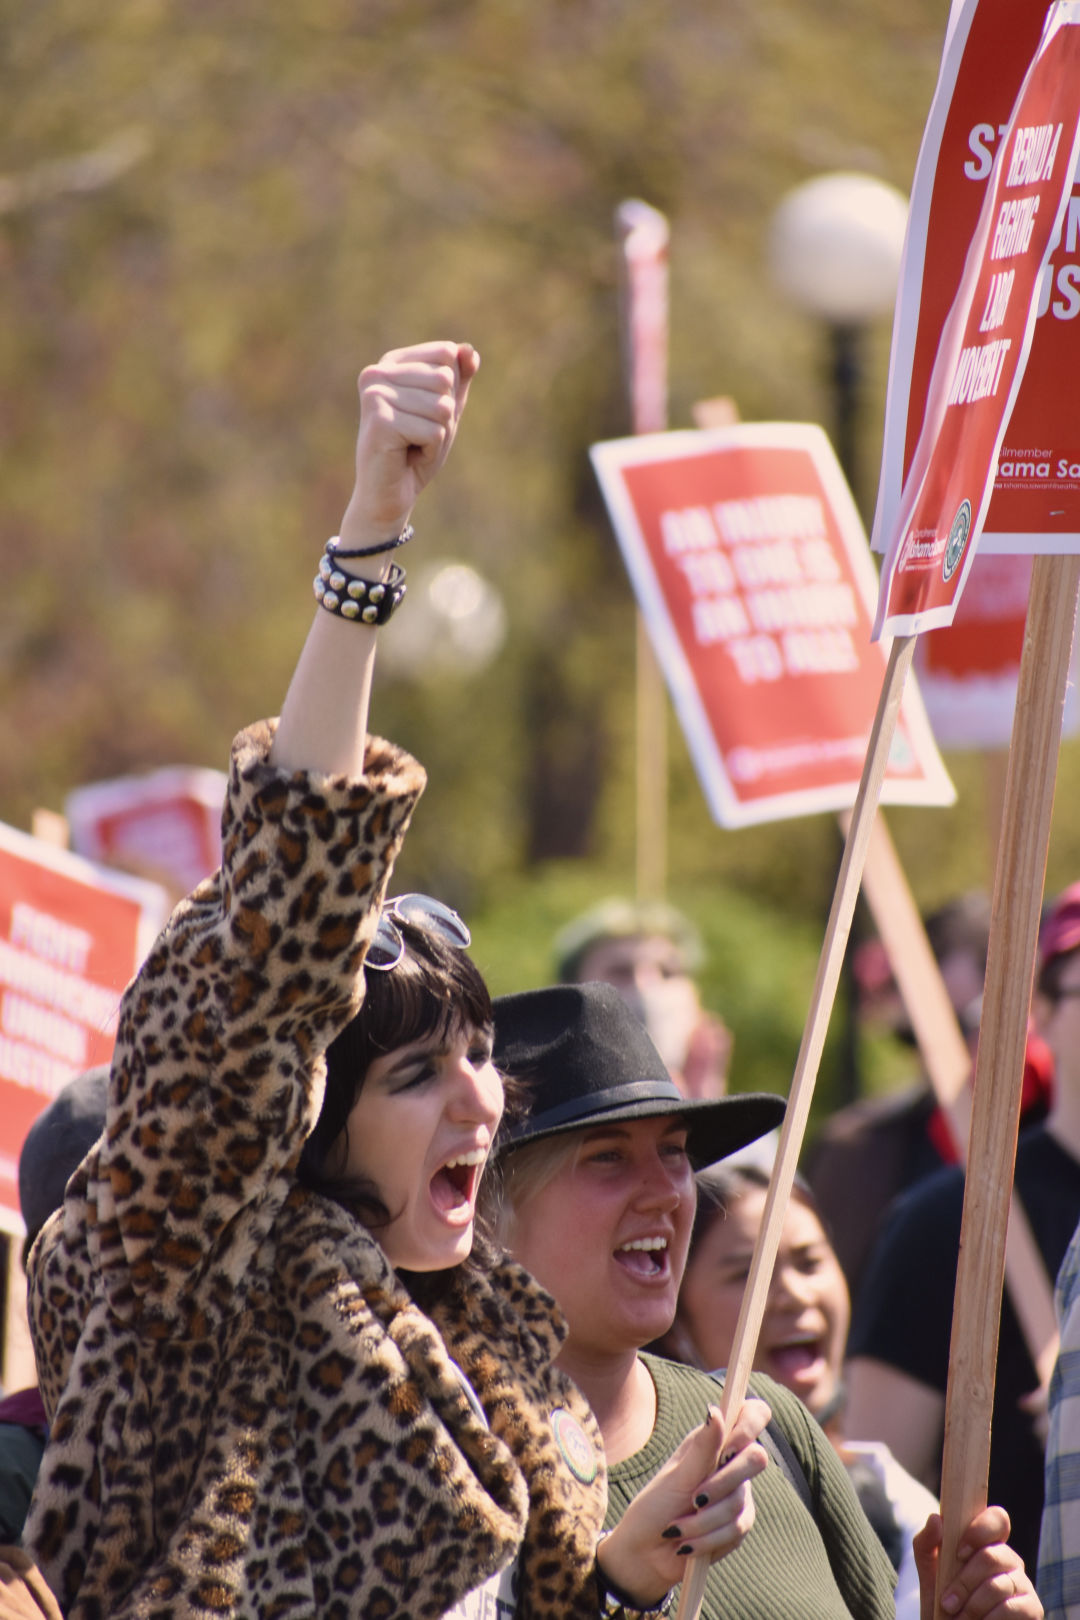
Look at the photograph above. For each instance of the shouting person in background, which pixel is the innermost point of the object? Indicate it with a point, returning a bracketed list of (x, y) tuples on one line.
[(801, 1344)]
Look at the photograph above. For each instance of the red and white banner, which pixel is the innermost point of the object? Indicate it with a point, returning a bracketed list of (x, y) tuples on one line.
[(1035, 504), (752, 572), (968, 673), (985, 342), (71, 937), (165, 825)]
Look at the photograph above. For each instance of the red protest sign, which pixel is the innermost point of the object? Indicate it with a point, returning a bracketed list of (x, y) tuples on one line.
[(164, 825), (985, 343), (752, 572), (71, 936), (968, 672), (1035, 503)]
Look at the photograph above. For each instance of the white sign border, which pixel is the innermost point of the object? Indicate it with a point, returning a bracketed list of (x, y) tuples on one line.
[(609, 457)]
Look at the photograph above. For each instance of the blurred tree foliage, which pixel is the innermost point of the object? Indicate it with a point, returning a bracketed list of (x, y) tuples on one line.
[(212, 214)]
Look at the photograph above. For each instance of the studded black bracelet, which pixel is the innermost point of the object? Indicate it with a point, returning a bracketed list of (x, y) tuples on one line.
[(365, 601)]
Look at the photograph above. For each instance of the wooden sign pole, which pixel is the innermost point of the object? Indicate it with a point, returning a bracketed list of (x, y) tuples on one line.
[(830, 961), (1018, 889), (651, 773), (642, 234)]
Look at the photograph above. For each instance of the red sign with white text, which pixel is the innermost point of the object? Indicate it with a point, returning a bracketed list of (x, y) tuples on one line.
[(985, 342), (164, 825), (969, 672), (1035, 503), (752, 572), (71, 937)]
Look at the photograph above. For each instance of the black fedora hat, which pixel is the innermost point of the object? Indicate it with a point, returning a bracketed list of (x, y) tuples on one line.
[(586, 1059)]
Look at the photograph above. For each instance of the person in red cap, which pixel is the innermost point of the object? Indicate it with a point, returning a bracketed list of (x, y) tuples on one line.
[(899, 1341), (1058, 939)]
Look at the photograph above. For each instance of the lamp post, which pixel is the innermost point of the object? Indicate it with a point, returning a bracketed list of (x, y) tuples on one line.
[(834, 250)]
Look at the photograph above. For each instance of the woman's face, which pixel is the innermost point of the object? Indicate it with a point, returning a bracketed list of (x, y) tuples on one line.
[(805, 1327), (608, 1234), (420, 1133)]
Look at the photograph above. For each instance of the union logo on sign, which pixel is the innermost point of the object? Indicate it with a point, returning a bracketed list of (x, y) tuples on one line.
[(958, 539)]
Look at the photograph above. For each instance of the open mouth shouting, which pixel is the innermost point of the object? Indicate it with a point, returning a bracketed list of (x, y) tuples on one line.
[(799, 1362), (645, 1258), (455, 1184)]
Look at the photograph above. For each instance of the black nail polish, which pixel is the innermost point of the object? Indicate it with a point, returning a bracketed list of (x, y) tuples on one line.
[(671, 1532), (701, 1500), (683, 1552)]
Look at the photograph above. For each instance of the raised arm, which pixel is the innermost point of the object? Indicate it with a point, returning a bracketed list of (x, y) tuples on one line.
[(220, 1034), (410, 406), (189, 1286)]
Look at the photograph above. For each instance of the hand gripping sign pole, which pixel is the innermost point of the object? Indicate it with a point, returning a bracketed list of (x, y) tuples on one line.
[(643, 234), (976, 378), (755, 1296), (962, 436), (1018, 889)]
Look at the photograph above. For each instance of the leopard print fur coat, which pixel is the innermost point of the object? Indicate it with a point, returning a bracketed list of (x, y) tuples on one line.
[(250, 1415)]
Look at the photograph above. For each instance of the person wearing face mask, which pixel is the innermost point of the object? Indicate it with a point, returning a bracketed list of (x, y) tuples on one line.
[(802, 1340), (650, 953)]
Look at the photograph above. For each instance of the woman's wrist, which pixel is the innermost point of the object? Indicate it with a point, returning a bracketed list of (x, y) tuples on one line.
[(361, 528), (615, 1596)]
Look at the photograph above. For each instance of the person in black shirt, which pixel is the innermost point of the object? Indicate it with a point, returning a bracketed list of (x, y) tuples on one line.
[(899, 1341)]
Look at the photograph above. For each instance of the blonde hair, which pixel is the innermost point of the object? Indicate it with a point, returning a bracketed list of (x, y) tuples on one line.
[(526, 1171)]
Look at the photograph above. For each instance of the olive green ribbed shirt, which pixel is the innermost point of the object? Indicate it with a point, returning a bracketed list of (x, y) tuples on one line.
[(791, 1566)]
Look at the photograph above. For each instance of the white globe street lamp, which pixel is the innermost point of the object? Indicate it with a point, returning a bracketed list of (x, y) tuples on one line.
[(834, 250)]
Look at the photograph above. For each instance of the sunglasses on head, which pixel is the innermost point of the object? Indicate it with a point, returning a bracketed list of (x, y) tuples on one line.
[(418, 911)]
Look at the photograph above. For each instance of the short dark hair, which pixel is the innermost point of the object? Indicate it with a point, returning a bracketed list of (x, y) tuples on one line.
[(435, 990), (719, 1185)]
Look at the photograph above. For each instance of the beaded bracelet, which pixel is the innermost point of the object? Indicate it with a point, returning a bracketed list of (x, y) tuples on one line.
[(334, 546), (367, 601)]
